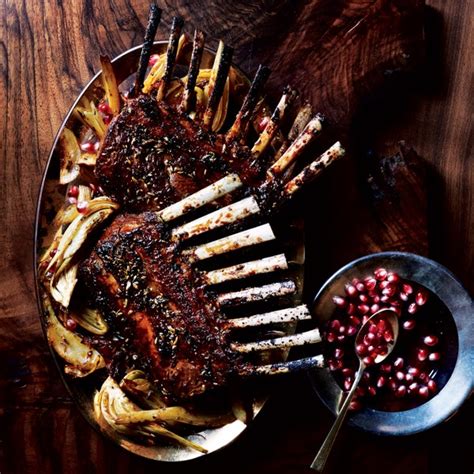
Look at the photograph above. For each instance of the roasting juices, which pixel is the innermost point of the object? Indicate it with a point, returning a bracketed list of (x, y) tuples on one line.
[(427, 341)]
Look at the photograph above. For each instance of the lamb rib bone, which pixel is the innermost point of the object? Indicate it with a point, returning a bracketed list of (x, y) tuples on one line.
[(285, 367), (286, 315)]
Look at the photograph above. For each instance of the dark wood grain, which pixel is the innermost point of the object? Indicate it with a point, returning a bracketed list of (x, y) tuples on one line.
[(335, 52)]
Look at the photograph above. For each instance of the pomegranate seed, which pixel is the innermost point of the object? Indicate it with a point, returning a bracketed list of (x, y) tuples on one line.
[(104, 107), (360, 287), (415, 371), (389, 291), (342, 329), (413, 308), (368, 360), (351, 309), (53, 252), (73, 191), (393, 277), (380, 274), (434, 356), (381, 381), (421, 298), (403, 296), (371, 390), (153, 59), (384, 284), (388, 335), (373, 328), (355, 405), (351, 330), (336, 324), (330, 337), (366, 377), (423, 376), (409, 378), (355, 281), (401, 391), (72, 200), (365, 319), (361, 349), (409, 324), (341, 338), (385, 299), (350, 290), (339, 301), (96, 147), (335, 365), (400, 375), (88, 147), (339, 353), (370, 349), (413, 387), (376, 299), (382, 350), (363, 309), (363, 298), (347, 372), (422, 354), (348, 383), (374, 308), (382, 324), (432, 386), (423, 391), (431, 340), (407, 288), (369, 338), (82, 206), (399, 363), (386, 368), (370, 283), (71, 324), (354, 320), (360, 392), (393, 384)]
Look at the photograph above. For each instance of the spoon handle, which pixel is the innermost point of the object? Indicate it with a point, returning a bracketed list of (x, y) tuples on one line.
[(320, 460)]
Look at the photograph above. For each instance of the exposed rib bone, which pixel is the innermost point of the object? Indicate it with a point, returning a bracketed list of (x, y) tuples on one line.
[(244, 270), (217, 82), (285, 342), (248, 106), (314, 169), (272, 126), (189, 93), (170, 56), (214, 191), (311, 130), (154, 18), (259, 293), (286, 367), (256, 235), (287, 315), (301, 120), (223, 216)]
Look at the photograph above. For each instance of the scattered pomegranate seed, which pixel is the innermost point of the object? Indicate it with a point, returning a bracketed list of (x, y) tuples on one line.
[(393, 277), (360, 287), (399, 363), (53, 252), (336, 324), (262, 124), (351, 330), (413, 387), (422, 354), (339, 301), (350, 290), (374, 308), (409, 324), (339, 353), (423, 376), (381, 381), (153, 59), (403, 296), (363, 309), (104, 107), (361, 349), (389, 291), (380, 274), (330, 337), (434, 356), (432, 386), (415, 371), (413, 308), (421, 298), (401, 391), (88, 147), (363, 298), (354, 320), (393, 384), (370, 283), (82, 206), (355, 405), (73, 191), (407, 288), (335, 365), (368, 360), (431, 340), (348, 372), (341, 337), (348, 383), (371, 390), (386, 368), (72, 200), (400, 375), (71, 324), (409, 378), (423, 391), (351, 309), (96, 146), (342, 329)]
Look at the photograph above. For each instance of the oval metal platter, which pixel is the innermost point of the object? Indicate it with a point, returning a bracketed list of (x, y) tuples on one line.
[(82, 390)]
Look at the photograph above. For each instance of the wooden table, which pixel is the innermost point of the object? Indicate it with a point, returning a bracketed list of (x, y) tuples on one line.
[(50, 49)]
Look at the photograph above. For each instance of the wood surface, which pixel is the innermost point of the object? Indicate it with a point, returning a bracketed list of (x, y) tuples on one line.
[(342, 55)]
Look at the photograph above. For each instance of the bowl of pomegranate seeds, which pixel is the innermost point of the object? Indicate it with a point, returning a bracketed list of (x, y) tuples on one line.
[(430, 372)]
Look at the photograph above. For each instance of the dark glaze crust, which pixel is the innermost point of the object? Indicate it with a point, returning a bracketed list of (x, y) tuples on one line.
[(160, 319), (153, 156)]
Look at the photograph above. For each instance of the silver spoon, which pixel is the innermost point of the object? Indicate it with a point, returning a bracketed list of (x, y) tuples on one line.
[(391, 319)]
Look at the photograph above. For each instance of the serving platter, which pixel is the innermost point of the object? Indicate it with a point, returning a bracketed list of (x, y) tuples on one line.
[(52, 197)]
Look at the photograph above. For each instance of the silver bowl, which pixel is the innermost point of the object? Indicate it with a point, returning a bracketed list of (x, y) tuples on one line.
[(456, 373)]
